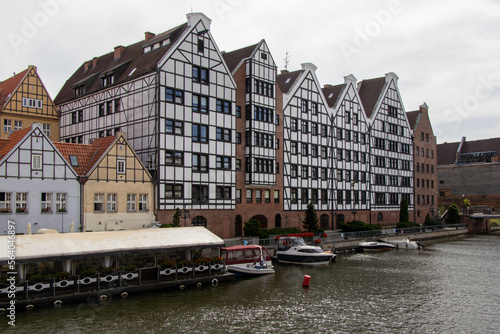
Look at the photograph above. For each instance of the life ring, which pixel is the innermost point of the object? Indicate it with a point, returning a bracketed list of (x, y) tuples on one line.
[(182, 287), (58, 303), (199, 284), (215, 282), (124, 294), (30, 307), (103, 297)]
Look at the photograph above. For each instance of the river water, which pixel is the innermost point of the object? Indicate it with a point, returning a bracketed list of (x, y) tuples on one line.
[(451, 286)]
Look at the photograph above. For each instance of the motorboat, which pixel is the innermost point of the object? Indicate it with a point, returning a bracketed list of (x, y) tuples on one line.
[(376, 246), (405, 244), (247, 260), (295, 250)]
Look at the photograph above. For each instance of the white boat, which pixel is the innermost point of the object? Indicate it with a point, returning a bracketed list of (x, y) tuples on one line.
[(295, 250), (247, 259), (375, 246), (405, 244)]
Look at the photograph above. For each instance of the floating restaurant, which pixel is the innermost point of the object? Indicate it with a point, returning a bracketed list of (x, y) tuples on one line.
[(55, 268)]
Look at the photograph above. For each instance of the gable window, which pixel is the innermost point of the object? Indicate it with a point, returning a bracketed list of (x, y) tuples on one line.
[(98, 202), (393, 111), (32, 103), (36, 161), (21, 202), (7, 125), (263, 55), (201, 45), (131, 202), (200, 74), (314, 106), (5, 201), (120, 166), (111, 203), (46, 202), (143, 202), (304, 105), (174, 158)]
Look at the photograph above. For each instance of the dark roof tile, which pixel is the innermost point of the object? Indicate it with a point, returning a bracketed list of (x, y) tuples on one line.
[(369, 93)]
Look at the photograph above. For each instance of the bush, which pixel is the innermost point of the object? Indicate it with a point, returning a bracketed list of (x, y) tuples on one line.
[(453, 215), (407, 225), (252, 228), (356, 226), (264, 234)]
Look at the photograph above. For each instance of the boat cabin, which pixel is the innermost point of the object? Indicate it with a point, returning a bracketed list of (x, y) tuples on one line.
[(244, 254)]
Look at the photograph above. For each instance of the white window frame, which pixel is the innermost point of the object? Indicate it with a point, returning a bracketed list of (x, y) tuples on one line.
[(6, 202), (111, 202), (36, 161), (46, 129), (99, 199), (7, 125), (131, 202), (121, 166), (22, 202), (61, 205), (143, 202), (18, 125), (46, 204)]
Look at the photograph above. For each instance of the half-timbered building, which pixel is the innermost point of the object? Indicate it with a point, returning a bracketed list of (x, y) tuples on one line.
[(38, 186), (174, 97), (25, 101), (117, 190), (258, 180), (391, 149), (307, 146), (351, 146)]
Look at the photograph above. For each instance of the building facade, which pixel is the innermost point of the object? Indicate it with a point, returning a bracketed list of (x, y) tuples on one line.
[(25, 101), (425, 164)]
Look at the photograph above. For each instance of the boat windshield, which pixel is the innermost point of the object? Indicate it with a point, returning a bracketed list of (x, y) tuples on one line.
[(288, 242), (245, 255), (310, 250)]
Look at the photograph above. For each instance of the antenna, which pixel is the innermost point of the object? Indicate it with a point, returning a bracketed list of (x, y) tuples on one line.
[(286, 59)]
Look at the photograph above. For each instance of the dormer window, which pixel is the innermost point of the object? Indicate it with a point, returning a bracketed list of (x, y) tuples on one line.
[(79, 90), (73, 160), (107, 80)]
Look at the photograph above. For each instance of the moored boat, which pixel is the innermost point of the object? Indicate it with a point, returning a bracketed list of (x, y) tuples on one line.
[(247, 259), (405, 244), (375, 246), (295, 250)]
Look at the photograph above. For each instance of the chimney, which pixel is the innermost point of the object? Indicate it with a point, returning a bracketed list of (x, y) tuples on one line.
[(424, 107), (118, 52), (86, 66), (327, 86), (284, 71), (94, 62), (148, 35)]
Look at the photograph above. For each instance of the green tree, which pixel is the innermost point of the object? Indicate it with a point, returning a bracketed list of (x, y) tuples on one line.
[(176, 219), (452, 217), (310, 221), (403, 211), (252, 228)]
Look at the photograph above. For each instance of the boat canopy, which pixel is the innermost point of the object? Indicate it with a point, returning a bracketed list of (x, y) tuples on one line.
[(244, 254), (49, 247)]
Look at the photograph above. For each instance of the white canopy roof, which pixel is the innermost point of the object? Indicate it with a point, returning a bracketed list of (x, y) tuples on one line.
[(39, 247)]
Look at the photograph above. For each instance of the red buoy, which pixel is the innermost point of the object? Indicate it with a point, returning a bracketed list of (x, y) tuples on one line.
[(306, 280)]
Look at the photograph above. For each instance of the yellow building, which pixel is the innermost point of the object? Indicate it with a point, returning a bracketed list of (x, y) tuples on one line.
[(24, 101), (118, 192)]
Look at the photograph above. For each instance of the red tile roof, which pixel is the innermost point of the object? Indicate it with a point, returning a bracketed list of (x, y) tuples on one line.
[(133, 57), (8, 86), (12, 141)]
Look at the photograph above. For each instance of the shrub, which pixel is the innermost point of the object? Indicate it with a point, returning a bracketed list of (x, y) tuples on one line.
[(356, 226), (252, 228), (407, 225), (452, 217)]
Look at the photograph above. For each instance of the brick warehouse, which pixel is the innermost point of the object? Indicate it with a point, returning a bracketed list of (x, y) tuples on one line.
[(228, 139)]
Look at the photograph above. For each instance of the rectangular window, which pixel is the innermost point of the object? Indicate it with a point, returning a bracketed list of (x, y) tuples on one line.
[(304, 196), (238, 195), (74, 119), (293, 196), (131, 202), (314, 108), (36, 161), (200, 162), (143, 202), (7, 125), (120, 166), (200, 103), (111, 203), (347, 117), (61, 202), (340, 197), (174, 127), (314, 196), (324, 196), (267, 196), (46, 202), (18, 125), (200, 45), (174, 96), (258, 196), (323, 173), (294, 170), (99, 202), (223, 162), (314, 173), (200, 133), (109, 107), (304, 149), (223, 106), (174, 191), (223, 192), (276, 196), (175, 158), (199, 194), (200, 75), (294, 124), (5, 201), (304, 105), (324, 131), (101, 110), (293, 147), (304, 172), (21, 202), (223, 134), (249, 196)]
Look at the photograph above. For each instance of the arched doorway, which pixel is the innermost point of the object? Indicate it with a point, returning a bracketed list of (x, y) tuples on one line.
[(238, 226), (324, 222), (277, 221), (380, 217), (262, 219), (199, 221)]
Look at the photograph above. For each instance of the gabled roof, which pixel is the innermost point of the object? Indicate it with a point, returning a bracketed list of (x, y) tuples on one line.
[(8, 86), (233, 58), (369, 93), (12, 141), (286, 79), (132, 57), (332, 93), (413, 117), (87, 155)]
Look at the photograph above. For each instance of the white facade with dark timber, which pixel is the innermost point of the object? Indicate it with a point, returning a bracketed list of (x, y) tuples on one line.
[(307, 142), (351, 163), (391, 146), (173, 96), (37, 186)]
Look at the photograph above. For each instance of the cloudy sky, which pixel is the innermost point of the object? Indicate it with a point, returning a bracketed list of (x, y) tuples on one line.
[(446, 53)]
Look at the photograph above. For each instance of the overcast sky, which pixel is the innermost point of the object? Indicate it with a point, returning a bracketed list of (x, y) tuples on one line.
[(446, 53)]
